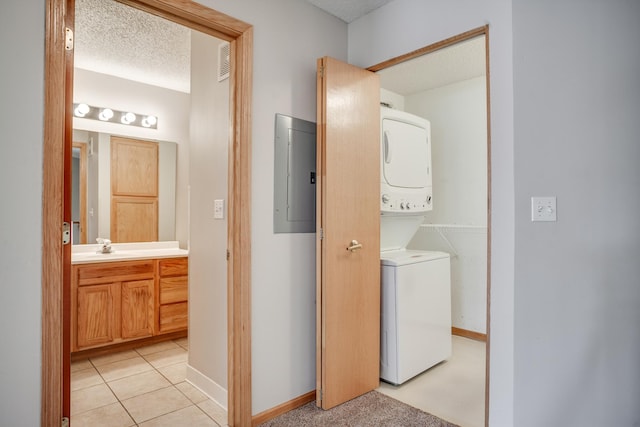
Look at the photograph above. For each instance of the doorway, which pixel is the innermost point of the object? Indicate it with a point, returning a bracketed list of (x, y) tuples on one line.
[(56, 200), (345, 83), (448, 83)]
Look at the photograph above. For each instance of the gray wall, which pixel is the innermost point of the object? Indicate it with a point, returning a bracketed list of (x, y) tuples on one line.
[(21, 112), (577, 282)]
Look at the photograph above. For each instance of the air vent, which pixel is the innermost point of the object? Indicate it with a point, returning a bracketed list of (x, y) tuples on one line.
[(223, 61)]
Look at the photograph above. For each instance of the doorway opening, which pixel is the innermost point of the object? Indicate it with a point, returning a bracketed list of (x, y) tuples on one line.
[(448, 84), (56, 198)]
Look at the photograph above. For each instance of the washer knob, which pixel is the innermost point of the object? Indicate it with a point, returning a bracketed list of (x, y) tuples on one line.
[(385, 198), (402, 205)]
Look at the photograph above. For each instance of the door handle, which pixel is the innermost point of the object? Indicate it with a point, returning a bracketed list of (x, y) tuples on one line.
[(354, 246)]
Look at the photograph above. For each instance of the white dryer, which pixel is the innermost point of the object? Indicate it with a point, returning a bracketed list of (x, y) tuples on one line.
[(415, 285)]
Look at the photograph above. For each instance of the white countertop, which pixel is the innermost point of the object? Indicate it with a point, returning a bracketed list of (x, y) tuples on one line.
[(85, 254)]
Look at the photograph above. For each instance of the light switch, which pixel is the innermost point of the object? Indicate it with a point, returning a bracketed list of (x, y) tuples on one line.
[(218, 209), (543, 209)]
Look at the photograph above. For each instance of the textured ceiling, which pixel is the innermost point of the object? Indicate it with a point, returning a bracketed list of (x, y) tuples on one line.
[(455, 63), (348, 10), (115, 39)]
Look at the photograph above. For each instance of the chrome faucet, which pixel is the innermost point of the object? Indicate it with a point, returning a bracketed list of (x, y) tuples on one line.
[(106, 246)]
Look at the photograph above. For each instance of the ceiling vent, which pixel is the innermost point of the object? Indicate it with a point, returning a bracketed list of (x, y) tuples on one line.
[(223, 61)]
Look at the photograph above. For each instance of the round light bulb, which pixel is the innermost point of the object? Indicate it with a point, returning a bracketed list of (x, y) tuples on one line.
[(105, 114), (149, 121), (128, 118), (81, 110)]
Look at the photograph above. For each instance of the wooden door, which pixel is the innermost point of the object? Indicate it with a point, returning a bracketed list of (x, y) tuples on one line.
[(137, 308), (134, 190), (348, 276)]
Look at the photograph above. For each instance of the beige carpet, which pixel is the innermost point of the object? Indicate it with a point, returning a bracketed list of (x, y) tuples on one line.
[(371, 409)]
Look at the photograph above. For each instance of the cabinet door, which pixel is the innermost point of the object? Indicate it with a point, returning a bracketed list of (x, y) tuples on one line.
[(137, 308), (96, 319)]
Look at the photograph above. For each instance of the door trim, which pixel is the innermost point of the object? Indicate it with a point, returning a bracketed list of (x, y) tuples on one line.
[(82, 199), (476, 32), (240, 36)]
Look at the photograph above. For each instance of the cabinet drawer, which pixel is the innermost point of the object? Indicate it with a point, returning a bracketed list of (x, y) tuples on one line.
[(173, 289), (113, 270), (173, 267), (173, 316)]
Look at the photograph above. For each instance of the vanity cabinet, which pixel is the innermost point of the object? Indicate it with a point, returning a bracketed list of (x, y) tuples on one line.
[(172, 294), (113, 302)]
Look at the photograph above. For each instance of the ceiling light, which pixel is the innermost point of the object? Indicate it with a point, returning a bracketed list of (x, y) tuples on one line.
[(105, 114), (81, 110)]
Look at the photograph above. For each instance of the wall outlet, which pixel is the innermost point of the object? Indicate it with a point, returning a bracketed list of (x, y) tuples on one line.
[(218, 209), (543, 209)]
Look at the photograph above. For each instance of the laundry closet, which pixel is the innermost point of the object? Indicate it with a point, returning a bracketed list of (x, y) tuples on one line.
[(452, 97)]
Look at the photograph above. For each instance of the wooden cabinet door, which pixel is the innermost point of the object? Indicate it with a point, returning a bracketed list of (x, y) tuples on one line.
[(97, 320), (134, 219), (348, 266), (137, 308), (134, 190), (134, 167)]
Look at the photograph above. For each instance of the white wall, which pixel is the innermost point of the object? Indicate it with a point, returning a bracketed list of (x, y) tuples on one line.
[(170, 106), (458, 117), (208, 236), (21, 113), (405, 25), (577, 299), (289, 35)]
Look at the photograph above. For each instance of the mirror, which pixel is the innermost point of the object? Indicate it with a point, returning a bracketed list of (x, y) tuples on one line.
[(91, 197)]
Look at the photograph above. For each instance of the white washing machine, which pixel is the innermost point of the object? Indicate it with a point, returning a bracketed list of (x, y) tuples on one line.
[(415, 313)]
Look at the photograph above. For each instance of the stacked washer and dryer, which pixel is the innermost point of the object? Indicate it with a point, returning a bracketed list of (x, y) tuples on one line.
[(416, 285)]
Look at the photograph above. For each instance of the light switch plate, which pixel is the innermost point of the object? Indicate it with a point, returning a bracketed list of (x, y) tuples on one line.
[(543, 209), (218, 209)]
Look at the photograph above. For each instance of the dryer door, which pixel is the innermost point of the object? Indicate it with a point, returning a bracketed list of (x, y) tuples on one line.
[(406, 158)]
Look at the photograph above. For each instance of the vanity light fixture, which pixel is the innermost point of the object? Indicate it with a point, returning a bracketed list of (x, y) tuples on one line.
[(85, 111)]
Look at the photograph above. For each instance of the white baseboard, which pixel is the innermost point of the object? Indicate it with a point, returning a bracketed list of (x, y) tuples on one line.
[(209, 387)]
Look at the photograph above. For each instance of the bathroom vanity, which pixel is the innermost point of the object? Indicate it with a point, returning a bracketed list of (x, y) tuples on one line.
[(136, 292)]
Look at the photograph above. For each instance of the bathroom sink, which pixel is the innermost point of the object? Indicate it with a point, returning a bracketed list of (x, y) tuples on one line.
[(89, 253)]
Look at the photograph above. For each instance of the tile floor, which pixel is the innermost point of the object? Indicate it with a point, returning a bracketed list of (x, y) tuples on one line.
[(143, 387), (452, 390)]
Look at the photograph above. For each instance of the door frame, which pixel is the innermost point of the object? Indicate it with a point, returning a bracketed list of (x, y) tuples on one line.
[(82, 199), (476, 32), (56, 145)]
